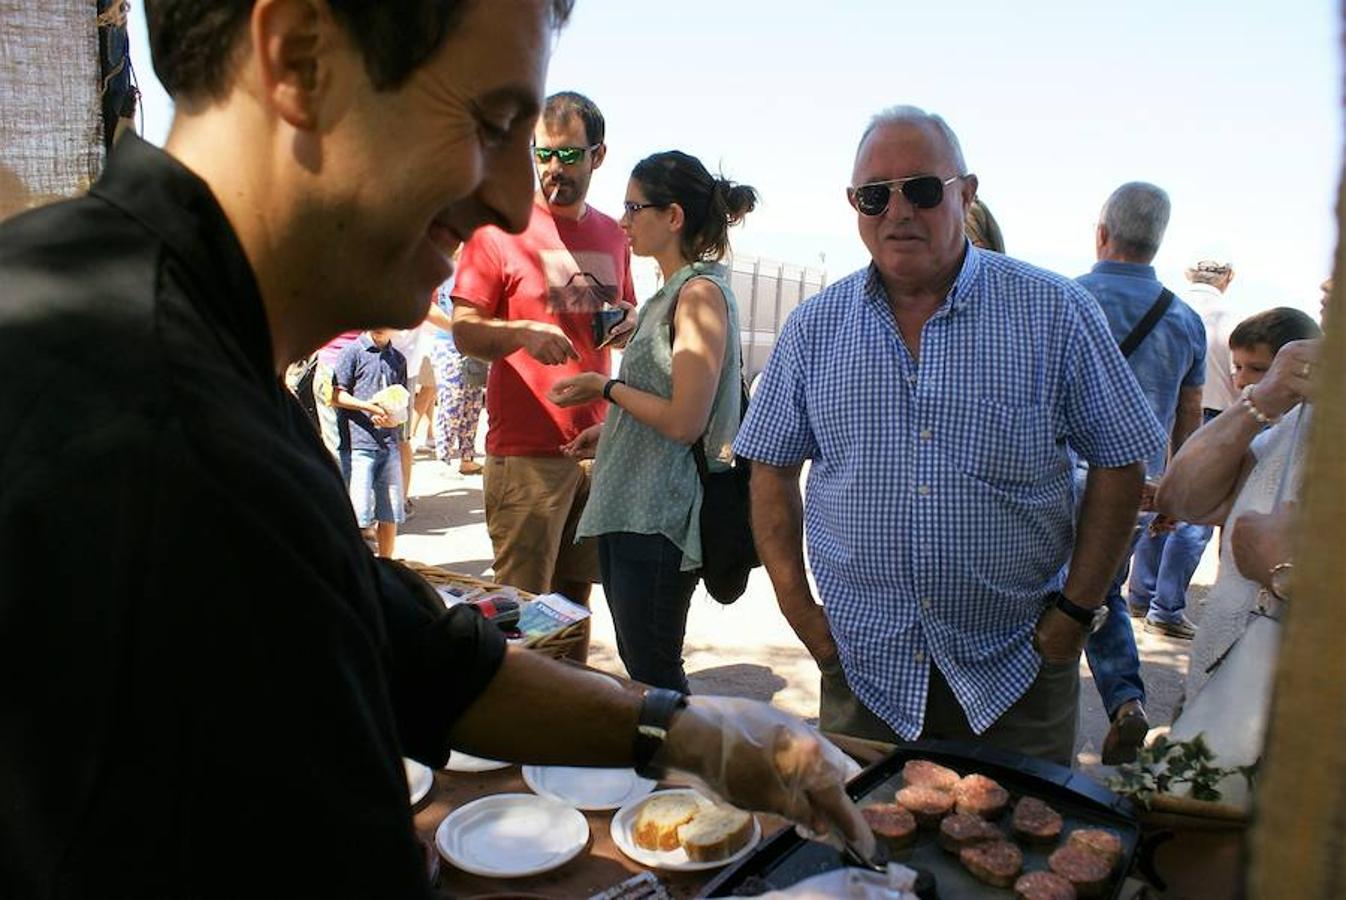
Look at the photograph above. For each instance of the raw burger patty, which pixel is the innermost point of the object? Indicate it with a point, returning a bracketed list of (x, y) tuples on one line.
[(994, 862), (1035, 822), (891, 824), (1043, 886), (924, 773), (927, 804), (963, 830), (1086, 870), (980, 796)]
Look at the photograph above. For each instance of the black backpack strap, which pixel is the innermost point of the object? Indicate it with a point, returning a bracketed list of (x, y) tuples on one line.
[(1147, 323)]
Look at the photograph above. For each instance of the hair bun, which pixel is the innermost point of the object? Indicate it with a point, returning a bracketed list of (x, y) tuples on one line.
[(739, 199)]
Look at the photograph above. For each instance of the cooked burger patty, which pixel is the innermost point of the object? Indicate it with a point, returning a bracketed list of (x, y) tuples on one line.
[(892, 824), (1043, 886), (994, 862), (980, 796), (927, 804), (1086, 870), (964, 829), (1035, 822), (924, 773), (1105, 843)]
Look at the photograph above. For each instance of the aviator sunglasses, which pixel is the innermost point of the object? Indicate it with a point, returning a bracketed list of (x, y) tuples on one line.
[(567, 155), (921, 191)]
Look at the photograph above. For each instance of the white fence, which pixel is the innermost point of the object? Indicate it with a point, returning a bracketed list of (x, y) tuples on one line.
[(767, 292)]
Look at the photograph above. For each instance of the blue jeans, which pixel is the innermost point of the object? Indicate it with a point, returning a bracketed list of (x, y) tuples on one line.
[(374, 479), (1111, 650), (648, 595), (1164, 564)]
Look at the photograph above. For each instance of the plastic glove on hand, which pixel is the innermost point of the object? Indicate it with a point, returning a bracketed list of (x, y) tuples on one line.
[(759, 758)]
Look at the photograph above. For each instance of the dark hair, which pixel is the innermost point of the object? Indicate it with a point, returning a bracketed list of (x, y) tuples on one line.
[(1275, 328), (192, 42), (561, 106), (981, 228), (710, 205)]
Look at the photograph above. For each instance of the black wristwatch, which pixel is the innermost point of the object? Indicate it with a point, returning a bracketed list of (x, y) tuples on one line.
[(656, 714), (607, 388), (1090, 619)]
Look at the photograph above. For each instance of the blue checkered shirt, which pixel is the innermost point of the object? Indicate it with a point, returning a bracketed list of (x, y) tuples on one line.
[(938, 507)]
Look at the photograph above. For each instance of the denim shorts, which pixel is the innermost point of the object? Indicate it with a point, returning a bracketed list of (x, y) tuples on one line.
[(374, 478)]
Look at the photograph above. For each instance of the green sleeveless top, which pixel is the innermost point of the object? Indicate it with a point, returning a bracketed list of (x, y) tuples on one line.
[(642, 481)]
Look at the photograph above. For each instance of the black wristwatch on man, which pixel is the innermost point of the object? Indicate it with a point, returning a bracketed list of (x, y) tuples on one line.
[(656, 717), (1090, 619)]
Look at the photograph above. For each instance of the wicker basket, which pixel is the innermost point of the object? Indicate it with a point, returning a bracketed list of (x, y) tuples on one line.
[(556, 645)]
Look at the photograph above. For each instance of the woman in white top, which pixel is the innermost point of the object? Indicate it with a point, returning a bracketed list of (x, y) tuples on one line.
[(1231, 472)]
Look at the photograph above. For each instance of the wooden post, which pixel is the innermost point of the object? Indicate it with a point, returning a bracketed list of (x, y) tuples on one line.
[(1299, 832)]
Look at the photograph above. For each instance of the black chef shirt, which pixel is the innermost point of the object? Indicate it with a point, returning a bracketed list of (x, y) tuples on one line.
[(206, 681)]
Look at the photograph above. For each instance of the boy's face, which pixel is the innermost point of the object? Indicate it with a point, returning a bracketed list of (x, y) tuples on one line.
[(1250, 363), (381, 336)]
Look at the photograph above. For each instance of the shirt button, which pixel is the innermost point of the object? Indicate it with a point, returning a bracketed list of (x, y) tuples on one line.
[(923, 490), (926, 603), (911, 379), (925, 434), (919, 656)]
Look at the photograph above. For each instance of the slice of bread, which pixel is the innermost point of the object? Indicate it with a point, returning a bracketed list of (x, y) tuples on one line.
[(716, 833), (657, 820)]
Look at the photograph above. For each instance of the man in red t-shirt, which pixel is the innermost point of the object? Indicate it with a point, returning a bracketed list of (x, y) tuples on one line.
[(527, 303)]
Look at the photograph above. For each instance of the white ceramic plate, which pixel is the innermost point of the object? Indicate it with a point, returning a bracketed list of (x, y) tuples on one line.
[(511, 835), (592, 789), (461, 762), (623, 822), (419, 779)]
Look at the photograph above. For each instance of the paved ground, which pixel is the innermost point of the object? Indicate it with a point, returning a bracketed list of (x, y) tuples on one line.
[(745, 649)]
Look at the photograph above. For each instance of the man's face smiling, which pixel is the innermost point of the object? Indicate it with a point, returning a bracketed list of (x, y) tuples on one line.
[(566, 185), (914, 250), (412, 172)]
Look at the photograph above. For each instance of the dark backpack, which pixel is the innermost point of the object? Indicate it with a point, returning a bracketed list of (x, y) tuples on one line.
[(728, 554), (303, 390)]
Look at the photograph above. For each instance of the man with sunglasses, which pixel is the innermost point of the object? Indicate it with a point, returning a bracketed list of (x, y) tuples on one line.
[(935, 393), (528, 303)]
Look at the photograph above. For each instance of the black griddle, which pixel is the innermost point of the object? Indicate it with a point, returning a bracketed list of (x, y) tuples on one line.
[(787, 859)]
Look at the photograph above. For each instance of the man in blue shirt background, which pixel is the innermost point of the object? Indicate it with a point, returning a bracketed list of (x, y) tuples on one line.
[(369, 433), (1169, 362), (936, 392)]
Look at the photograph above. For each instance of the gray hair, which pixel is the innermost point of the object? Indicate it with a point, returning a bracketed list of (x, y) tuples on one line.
[(914, 115), (1136, 216)]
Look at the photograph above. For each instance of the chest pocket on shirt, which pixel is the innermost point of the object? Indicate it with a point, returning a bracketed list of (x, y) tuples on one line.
[(1006, 444)]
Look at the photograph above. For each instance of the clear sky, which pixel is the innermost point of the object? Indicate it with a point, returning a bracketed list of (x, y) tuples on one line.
[(1233, 107)]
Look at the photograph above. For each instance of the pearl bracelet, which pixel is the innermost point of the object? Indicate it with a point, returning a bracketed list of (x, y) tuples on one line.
[(1247, 401)]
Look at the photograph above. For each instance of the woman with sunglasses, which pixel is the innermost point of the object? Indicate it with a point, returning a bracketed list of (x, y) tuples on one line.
[(679, 385)]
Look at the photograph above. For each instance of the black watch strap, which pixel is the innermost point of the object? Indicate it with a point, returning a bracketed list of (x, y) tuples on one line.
[(607, 388), (1084, 616), (656, 714)]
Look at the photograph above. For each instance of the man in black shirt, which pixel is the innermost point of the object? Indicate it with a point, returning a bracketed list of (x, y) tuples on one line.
[(208, 680)]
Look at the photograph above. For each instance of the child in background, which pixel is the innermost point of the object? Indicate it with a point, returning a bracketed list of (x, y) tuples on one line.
[(369, 433), (1255, 341)]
